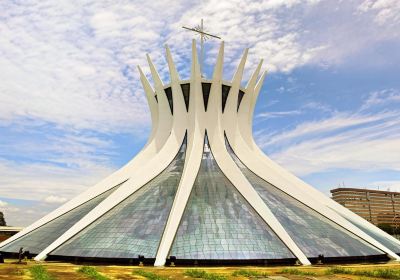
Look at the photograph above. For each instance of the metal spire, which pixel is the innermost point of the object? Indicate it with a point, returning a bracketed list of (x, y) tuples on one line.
[(203, 37)]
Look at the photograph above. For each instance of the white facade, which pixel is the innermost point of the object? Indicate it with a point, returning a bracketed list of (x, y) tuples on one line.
[(222, 120)]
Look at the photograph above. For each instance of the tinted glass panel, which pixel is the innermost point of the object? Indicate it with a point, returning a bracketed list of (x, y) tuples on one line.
[(186, 94), (134, 227), (206, 93), (225, 93), (314, 234), (240, 97), (168, 92), (218, 223), (40, 238)]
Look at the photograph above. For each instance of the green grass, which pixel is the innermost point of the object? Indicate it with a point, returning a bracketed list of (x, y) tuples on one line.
[(92, 273), (294, 271), (202, 274), (338, 270), (39, 272), (378, 273), (149, 275), (249, 273)]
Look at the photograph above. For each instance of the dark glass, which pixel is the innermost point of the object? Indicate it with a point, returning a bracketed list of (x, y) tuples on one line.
[(168, 93), (240, 97), (225, 93), (206, 93), (186, 94)]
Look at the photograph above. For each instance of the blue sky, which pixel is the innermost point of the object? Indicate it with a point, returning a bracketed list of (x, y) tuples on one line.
[(72, 109)]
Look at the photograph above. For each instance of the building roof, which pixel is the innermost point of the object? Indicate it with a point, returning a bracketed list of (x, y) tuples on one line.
[(362, 190), (6, 228)]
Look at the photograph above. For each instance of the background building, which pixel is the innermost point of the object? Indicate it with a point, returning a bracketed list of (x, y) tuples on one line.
[(7, 232), (378, 207)]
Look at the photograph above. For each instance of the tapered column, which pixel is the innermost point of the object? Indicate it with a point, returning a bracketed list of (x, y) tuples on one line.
[(193, 157)]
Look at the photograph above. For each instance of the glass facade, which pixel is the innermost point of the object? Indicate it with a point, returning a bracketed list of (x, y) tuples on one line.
[(382, 239), (37, 240), (314, 234), (218, 223), (133, 227)]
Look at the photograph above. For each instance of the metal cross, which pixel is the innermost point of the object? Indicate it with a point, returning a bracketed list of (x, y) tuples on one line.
[(203, 37)]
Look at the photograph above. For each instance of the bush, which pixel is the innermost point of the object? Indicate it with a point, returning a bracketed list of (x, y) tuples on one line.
[(294, 271), (149, 275), (338, 270), (249, 273), (39, 272), (377, 273), (92, 273), (197, 273), (386, 228)]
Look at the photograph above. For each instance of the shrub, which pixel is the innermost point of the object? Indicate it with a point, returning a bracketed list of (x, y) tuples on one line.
[(338, 270), (39, 272), (92, 273), (249, 273), (294, 271), (377, 273), (197, 273), (149, 275)]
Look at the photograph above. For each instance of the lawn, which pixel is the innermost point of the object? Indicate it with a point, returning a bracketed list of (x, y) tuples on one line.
[(58, 270)]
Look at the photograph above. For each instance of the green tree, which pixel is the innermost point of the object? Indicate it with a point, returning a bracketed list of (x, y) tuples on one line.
[(386, 227), (2, 220)]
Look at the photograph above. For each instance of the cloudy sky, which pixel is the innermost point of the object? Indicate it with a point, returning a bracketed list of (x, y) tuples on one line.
[(72, 110)]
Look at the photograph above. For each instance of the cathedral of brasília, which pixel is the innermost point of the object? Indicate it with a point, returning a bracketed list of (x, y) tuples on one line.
[(201, 191)]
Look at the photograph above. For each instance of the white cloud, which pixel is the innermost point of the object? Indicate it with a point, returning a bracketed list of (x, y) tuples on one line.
[(270, 115), (359, 141), (385, 11), (393, 186), (263, 26), (387, 96), (36, 181), (320, 127), (3, 203), (55, 199), (23, 215), (346, 151), (75, 67)]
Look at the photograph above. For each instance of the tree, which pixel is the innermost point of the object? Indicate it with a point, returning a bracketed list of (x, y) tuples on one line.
[(386, 227), (2, 220)]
